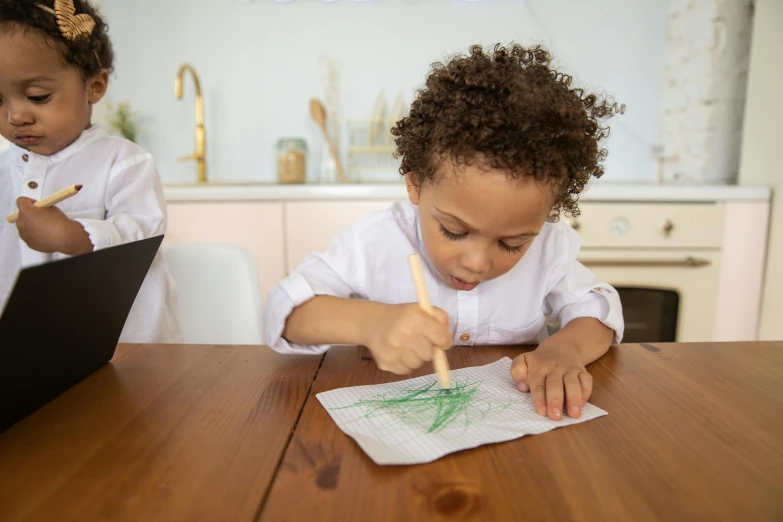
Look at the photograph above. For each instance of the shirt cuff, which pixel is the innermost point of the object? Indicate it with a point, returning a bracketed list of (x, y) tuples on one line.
[(103, 234), (602, 303), (290, 293)]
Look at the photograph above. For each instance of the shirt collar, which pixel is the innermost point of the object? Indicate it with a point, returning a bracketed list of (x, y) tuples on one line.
[(85, 138)]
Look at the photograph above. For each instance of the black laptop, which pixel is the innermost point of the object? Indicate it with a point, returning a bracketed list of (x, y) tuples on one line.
[(62, 322)]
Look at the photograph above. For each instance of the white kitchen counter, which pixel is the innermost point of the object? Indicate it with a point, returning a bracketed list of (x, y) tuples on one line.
[(603, 192)]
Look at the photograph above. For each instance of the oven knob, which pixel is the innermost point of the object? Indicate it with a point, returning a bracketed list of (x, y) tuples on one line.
[(620, 226)]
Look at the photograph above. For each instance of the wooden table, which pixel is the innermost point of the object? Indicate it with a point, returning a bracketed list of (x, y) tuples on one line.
[(162, 433), (694, 432)]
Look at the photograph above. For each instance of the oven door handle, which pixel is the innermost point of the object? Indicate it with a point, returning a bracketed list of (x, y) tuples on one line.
[(686, 262)]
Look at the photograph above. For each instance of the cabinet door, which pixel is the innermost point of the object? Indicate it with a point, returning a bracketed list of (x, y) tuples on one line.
[(740, 288), (312, 225), (255, 226)]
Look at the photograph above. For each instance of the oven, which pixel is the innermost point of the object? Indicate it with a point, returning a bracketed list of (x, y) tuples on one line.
[(664, 260)]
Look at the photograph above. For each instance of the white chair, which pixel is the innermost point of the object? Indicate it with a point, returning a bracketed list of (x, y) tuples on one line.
[(219, 296)]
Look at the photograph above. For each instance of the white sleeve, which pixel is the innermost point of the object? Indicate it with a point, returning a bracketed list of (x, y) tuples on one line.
[(339, 272), (135, 206), (577, 292)]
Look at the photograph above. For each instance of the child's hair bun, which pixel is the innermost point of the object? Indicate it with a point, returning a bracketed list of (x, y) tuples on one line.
[(76, 25)]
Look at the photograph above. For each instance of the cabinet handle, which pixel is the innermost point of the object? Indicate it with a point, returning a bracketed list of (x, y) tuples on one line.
[(688, 262), (668, 227)]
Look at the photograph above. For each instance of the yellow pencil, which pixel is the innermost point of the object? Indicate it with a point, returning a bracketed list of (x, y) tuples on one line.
[(50, 201), (439, 360)]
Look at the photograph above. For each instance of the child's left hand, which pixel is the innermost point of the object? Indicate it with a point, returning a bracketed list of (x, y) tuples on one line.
[(48, 230), (554, 373)]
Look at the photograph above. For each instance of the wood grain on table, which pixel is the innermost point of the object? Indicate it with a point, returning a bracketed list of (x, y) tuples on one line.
[(694, 432), (161, 433)]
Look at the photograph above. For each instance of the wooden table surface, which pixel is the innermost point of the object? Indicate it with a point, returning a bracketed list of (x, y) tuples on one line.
[(694, 432), (162, 433)]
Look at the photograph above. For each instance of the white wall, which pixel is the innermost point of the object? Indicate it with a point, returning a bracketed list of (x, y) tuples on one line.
[(760, 162), (704, 94), (260, 64)]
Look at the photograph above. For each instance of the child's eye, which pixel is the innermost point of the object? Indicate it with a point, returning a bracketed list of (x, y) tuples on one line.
[(510, 249), (39, 99), (451, 235)]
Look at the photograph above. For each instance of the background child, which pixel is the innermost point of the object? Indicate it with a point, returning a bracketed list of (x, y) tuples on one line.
[(496, 145), (54, 67)]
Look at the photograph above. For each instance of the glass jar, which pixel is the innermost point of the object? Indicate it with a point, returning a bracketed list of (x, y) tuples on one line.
[(291, 160)]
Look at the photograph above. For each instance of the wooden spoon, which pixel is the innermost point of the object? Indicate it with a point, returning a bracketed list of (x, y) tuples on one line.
[(318, 112)]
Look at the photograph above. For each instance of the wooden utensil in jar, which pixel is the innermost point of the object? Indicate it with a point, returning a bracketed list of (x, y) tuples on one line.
[(318, 112)]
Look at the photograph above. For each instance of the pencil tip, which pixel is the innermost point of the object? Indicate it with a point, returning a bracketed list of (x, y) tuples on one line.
[(78, 187)]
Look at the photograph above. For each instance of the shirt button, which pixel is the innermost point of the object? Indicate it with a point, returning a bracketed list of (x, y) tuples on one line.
[(33, 185), (25, 158), (464, 337)]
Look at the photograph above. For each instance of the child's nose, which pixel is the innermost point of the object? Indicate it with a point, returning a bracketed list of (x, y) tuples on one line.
[(18, 116), (476, 261)]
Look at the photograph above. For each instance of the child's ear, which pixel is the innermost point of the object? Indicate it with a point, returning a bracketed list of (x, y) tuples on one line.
[(97, 86), (412, 184)]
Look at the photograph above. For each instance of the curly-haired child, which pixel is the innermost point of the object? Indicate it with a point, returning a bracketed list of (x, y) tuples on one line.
[(54, 67), (497, 144)]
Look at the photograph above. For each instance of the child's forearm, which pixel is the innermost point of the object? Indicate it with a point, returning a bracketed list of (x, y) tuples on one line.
[(331, 320), (589, 336)]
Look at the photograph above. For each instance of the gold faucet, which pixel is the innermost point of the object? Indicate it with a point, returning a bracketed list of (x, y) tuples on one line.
[(200, 154)]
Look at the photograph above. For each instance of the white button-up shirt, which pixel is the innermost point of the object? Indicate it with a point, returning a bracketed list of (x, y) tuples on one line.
[(369, 260), (121, 201)]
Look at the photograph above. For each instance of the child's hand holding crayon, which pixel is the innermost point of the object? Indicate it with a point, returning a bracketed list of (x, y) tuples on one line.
[(48, 230), (404, 337)]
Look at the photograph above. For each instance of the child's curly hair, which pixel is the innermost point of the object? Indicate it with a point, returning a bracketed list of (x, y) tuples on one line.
[(90, 54), (508, 110)]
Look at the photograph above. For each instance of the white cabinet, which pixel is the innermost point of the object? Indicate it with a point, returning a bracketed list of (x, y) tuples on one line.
[(255, 226), (311, 225), (711, 253)]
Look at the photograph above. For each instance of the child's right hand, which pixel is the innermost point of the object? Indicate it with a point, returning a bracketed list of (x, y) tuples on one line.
[(404, 337), (48, 230)]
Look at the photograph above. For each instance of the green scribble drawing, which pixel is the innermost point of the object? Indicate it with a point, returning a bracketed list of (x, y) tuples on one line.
[(429, 406)]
